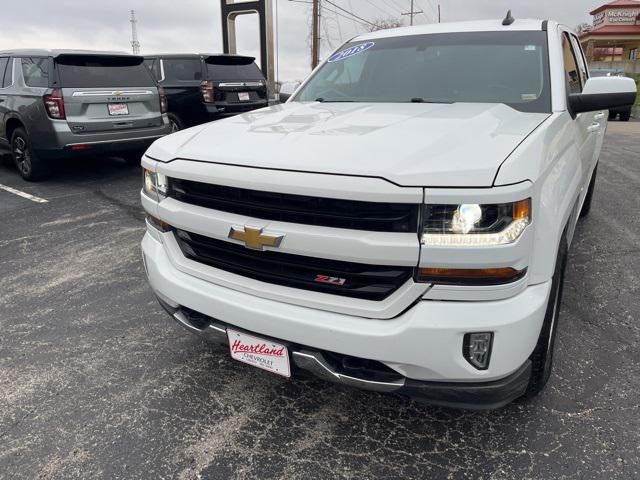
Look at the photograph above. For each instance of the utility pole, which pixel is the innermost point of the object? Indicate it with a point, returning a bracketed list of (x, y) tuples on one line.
[(412, 13), (438, 13), (315, 35), (135, 44)]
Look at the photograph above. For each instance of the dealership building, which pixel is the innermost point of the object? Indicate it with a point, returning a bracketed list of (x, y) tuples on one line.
[(614, 39)]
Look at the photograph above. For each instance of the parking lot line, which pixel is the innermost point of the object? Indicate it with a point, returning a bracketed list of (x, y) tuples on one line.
[(33, 198)]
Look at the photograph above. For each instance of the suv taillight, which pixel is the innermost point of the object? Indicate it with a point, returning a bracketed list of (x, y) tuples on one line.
[(54, 103), (163, 100), (207, 90)]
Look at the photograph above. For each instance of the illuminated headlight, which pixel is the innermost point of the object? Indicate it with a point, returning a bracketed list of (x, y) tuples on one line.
[(475, 225), (154, 184)]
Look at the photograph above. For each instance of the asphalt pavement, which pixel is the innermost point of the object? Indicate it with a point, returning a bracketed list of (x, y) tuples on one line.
[(96, 381)]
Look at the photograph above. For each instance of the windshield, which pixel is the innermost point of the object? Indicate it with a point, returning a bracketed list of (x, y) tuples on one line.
[(233, 68), (487, 67)]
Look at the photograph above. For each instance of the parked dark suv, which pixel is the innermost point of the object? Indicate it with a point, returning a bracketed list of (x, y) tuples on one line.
[(204, 87), (55, 103)]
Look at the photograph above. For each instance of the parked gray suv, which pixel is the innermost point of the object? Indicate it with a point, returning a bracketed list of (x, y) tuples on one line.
[(57, 103)]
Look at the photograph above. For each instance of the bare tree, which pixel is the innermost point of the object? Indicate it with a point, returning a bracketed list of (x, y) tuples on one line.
[(385, 23), (583, 27)]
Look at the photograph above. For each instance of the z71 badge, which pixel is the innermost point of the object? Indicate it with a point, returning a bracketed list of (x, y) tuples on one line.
[(330, 280)]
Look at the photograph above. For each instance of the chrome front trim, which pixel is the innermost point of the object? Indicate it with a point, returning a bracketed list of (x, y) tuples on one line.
[(212, 333), (315, 363), (111, 93)]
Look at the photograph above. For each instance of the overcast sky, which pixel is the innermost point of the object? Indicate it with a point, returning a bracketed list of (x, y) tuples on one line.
[(194, 25)]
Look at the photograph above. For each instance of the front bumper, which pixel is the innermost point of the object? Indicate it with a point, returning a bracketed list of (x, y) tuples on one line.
[(423, 345), (473, 396)]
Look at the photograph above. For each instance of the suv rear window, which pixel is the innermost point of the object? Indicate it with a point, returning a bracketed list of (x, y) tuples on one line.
[(182, 69), (35, 71), (233, 68), (86, 71)]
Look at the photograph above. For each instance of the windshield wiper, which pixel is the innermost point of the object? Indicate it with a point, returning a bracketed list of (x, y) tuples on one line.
[(322, 100), (422, 100)]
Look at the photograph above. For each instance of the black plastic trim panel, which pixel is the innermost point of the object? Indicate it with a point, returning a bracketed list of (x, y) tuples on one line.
[(302, 209), (357, 280)]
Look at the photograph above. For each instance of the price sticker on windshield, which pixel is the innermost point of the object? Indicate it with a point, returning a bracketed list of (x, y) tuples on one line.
[(350, 52)]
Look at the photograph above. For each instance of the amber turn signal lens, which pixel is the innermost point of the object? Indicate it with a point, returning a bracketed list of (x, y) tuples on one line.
[(158, 224), (522, 209), (469, 276)]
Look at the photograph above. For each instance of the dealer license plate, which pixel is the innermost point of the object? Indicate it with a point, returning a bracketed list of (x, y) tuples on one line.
[(118, 109), (259, 352), (243, 96)]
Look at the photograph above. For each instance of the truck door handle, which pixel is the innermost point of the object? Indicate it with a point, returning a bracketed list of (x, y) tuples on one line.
[(598, 116), (594, 127)]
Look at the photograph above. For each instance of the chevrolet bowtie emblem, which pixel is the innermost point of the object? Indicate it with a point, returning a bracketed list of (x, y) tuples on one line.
[(253, 237)]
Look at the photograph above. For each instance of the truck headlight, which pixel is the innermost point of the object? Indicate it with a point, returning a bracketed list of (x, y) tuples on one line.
[(155, 185), (475, 225)]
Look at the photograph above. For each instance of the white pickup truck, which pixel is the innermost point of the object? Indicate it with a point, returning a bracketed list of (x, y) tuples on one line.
[(401, 223)]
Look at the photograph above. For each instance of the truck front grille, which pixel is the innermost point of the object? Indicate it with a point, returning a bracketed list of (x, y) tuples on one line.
[(306, 210), (357, 280)]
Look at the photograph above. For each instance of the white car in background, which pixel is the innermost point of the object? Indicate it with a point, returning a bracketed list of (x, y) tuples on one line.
[(402, 223)]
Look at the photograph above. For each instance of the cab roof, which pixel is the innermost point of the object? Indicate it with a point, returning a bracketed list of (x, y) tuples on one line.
[(458, 27)]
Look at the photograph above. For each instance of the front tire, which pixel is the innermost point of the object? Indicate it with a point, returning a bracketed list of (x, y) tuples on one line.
[(29, 165), (586, 206), (542, 356)]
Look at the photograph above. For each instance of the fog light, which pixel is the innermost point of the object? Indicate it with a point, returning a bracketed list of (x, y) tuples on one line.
[(476, 348)]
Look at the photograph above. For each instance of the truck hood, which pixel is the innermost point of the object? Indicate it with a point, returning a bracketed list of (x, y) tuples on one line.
[(413, 144)]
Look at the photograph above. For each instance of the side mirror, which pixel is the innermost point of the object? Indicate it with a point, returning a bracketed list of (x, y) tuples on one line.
[(283, 97), (603, 93)]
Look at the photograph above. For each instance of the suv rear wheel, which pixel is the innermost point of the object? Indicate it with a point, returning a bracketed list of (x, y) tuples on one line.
[(625, 116), (31, 167), (175, 122), (133, 158)]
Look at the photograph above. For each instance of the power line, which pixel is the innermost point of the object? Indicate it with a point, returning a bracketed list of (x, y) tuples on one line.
[(395, 5), (386, 12), (350, 13), (355, 22)]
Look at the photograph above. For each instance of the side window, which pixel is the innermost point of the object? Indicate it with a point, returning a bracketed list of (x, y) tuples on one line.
[(572, 74), (3, 66), (182, 69), (582, 64), (35, 71)]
